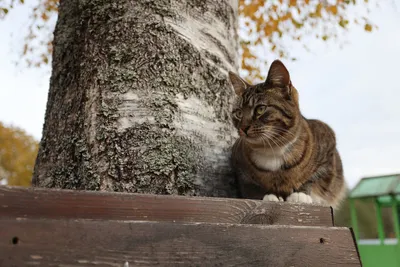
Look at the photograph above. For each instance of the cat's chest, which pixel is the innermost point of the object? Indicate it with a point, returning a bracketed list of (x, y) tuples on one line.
[(269, 160)]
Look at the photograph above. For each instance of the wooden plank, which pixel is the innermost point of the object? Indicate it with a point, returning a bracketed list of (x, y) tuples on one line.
[(46, 203), (45, 242)]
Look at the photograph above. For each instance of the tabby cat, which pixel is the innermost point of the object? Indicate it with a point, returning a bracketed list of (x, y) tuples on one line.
[(280, 155)]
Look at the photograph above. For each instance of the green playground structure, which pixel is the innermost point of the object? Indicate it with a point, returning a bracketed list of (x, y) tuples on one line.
[(384, 192)]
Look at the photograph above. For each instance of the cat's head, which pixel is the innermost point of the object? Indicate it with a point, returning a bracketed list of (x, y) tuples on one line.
[(266, 111)]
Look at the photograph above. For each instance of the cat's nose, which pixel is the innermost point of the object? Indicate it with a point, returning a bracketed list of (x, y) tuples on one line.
[(245, 129)]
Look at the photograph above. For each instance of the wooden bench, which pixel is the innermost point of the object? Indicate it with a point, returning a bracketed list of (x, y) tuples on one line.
[(43, 227)]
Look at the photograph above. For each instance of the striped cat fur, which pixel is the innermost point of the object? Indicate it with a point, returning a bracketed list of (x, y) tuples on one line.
[(280, 155)]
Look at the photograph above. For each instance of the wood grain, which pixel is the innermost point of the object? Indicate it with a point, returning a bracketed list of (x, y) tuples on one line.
[(45, 242), (56, 204)]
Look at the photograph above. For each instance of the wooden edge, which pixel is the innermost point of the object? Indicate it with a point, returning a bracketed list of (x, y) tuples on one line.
[(355, 244), (56, 203), (45, 242)]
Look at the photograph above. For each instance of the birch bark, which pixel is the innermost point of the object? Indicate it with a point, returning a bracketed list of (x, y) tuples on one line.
[(139, 98)]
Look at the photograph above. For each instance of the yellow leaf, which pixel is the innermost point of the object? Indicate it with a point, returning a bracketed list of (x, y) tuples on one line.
[(318, 10), (368, 27), (343, 23), (45, 59), (297, 24)]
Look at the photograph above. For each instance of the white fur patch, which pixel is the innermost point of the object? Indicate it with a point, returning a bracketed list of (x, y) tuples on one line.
[(299, 198), (317, 199), (267, 159), (270, 159), (272, 197)]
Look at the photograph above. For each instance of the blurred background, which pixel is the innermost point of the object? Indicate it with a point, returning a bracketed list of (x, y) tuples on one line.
[(343, 58)]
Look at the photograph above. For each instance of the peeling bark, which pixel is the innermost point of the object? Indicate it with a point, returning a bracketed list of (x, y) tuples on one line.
[(139, 98)]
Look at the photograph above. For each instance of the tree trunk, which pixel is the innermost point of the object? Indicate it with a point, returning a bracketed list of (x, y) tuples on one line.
[(139, 98)]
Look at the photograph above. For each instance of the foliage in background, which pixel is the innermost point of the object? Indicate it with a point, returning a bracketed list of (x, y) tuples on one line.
[(18, 152), (263, 25), (271, 24)]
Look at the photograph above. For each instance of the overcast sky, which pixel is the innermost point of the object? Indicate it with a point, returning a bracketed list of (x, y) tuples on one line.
[(354, 89)]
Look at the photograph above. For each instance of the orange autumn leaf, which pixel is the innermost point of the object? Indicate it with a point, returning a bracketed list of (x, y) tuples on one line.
[(333, 9), (292, 2), (44, 17)]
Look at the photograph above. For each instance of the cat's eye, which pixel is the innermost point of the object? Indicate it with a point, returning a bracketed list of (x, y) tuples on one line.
[(238, 114), (260, 110)]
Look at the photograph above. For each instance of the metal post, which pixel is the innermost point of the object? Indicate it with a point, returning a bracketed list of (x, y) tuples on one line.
[(381, 232), (396, 225), (353, 214)]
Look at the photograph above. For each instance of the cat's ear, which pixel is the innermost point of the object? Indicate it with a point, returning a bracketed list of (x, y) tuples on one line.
[(239, 85), (278, 75)]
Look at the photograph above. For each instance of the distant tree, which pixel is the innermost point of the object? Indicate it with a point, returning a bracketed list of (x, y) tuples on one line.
[(18, 151), (262, 23)]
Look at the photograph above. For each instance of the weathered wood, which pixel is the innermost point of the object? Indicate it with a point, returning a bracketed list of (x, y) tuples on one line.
[(44, 242), (52, 203)]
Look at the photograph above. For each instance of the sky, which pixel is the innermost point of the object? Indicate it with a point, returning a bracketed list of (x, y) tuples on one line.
[(352, 88)]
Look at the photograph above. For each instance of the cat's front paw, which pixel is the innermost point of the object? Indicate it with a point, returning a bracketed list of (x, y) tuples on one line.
[(272, 197), (299, 198)]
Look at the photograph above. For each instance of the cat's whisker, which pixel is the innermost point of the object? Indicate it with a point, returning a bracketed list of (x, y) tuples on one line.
[(267, 139), (262, 139), (278, 142), (269, 133), (237, 145), (282, 144), (281, 130), (290, 135), (285, 139), (279, 145), (276, 134), (278, 129)]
